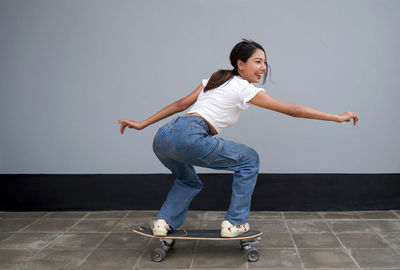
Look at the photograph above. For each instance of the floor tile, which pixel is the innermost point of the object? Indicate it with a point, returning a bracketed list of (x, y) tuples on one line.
[(340, 215), (106, 214), (217, 215), (67, 214), (95, 226), (4, 236), (392, 238), (57, 260), (127, 224), (24, 215), (28, 240), (124, 241), (349, 226), (266, 215), (326, 258), (308, 226), (196, 215), (268, 226), (214, 256), (142, 214), (115, 259), (323, 240), (15, 259), (276, 240), (302, 215), (78, 240), (362, 240), (277, 258), (51, 225), (384, 225), (376, 258), (14, 225), (377, 215)]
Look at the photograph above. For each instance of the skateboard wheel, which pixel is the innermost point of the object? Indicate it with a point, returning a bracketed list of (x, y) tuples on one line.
[(252, 255), (158, 254)]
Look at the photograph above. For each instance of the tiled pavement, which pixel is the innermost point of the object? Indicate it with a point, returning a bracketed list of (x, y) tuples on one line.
[(291, 240)]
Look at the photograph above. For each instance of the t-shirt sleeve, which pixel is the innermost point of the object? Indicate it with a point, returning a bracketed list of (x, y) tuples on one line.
[(204, 82), (247, 94)]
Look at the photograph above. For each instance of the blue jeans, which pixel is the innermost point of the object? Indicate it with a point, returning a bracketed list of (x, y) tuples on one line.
[(186, 142)]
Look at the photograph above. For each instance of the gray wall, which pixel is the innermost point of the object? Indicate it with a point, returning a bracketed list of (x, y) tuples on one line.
[(70, 69)]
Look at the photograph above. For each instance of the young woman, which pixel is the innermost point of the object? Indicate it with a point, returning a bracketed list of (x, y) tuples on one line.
[(188, 140)]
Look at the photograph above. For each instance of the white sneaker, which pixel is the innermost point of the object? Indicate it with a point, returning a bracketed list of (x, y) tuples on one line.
[(230, 230), (160, 227)]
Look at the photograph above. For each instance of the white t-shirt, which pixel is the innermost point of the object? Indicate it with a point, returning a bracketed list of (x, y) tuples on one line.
[(221, 106)]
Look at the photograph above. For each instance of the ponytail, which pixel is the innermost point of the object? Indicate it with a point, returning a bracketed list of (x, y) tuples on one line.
[(219, 77)]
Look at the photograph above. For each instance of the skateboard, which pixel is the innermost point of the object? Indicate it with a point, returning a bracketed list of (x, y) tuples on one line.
[(247, 240)]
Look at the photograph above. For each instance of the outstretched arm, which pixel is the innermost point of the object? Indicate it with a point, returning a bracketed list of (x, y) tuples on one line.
[(178, 106), (266, 101)]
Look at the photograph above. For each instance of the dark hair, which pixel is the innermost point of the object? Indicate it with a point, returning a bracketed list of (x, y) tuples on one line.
[(243, 51)]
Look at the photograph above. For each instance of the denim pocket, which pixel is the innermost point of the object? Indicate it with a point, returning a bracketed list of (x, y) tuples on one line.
[(228, 153), (225, 154), (179, 139)]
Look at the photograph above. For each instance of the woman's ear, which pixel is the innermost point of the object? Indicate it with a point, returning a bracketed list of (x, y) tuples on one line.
[(240, 64)]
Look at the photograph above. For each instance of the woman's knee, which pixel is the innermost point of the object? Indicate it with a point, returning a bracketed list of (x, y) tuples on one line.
[(253, 158)]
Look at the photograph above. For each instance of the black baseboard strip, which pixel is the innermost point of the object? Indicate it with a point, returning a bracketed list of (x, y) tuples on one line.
[(274, 192)]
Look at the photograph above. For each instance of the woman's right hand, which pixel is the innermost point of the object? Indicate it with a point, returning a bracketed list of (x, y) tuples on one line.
[(130, 124), (347, 116)]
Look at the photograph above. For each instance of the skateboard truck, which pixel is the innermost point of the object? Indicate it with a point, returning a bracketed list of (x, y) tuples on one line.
[(252, 253)]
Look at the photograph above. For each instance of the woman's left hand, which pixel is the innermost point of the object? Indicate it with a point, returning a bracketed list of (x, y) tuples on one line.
[(347, 116), (130, 124)]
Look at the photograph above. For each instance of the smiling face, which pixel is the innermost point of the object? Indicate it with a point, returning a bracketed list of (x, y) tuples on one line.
[(254, 67)]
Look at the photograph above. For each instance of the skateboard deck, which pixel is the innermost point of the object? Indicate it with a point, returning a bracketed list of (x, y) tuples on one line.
[(196, 234), (247, 239)]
